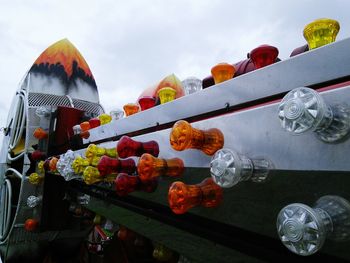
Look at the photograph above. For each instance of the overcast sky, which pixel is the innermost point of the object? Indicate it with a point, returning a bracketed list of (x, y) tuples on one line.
[(130, 45)]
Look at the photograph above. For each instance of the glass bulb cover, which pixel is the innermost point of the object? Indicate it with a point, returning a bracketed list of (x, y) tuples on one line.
[(128, 147), (40, 134), (303, 109), (125, 184), (117, 114), (64, 165), (191, 85), (228, 168), (301, 229), (263, 56), (166, 94), (222, 72), (108, 165), (33, 201), (131, 108), (147, 102), (94, 122), (321, 32), (105, 118)]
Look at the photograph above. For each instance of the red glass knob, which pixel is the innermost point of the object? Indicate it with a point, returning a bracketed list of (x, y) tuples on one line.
[(184, 136), (150, 167), (38, 155), (264, 55), (125, 184), (94, 122), (127, 147), (147, 102), (182, 197), (108, 165)]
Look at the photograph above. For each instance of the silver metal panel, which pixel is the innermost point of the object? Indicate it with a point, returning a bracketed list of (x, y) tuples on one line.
[(257, 133), (316, 66)]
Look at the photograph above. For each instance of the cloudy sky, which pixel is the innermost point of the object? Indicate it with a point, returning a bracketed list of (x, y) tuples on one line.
[(130, 45)]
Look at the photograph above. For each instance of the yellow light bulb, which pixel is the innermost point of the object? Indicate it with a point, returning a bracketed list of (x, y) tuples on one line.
[(166, 94), (105, 118), (321, 32)]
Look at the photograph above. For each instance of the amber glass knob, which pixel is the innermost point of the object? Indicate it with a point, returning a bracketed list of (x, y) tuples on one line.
[(150, 167), (96, 151), (108, 165), (127, 147), (222, 72), (321, 32), (40, 134), (184, 136), (182, 197), (131, 108)]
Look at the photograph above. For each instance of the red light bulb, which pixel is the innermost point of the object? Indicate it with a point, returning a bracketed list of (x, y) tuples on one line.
[(182, 197), (38, 155), (108, 165), (31, 224), (264, 55), (147, 102), (125, 184), (94, 122), (127, 147)]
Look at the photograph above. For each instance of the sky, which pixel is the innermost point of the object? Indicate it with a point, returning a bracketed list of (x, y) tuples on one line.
[(131, 45)]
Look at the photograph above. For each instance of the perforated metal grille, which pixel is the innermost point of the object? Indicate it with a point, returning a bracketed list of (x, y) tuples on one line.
[(41, 99), (88, 106)]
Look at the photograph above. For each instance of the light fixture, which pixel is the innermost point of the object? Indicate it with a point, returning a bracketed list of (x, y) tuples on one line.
[(108, 165), (166, 94), (263, 55), (222, 72), (321, 32), (182, 197), (105, 118), (128, 147), (131, 108), (146, 102), (150, 167), (228, 168), (191, 85), (303, 230), (183, 136), (303, 109)]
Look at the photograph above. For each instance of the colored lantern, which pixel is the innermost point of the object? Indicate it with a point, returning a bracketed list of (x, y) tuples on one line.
[(184, 136)]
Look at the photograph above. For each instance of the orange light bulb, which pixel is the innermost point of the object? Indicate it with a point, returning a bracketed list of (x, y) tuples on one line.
[(321, 32), (166, 94), (150, 167), (131, 108), (183, 197), (222, 72), (40, 134), (184, 136)]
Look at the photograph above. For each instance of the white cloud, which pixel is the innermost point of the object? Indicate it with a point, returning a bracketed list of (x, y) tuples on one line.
[(130, 45)]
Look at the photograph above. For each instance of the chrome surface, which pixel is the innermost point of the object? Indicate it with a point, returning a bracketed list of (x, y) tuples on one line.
[(316, 66)]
